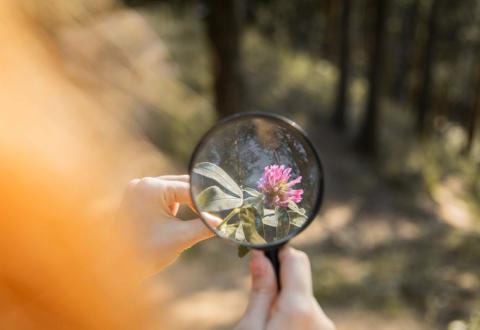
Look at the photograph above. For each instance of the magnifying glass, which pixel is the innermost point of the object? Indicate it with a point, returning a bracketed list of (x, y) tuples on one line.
[(261, 177)]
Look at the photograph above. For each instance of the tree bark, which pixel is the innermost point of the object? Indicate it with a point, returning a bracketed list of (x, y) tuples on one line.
[(339, 116), (224, 32), (425, 90), (367, 140), (332, 20), (409, 23), (474, 117)]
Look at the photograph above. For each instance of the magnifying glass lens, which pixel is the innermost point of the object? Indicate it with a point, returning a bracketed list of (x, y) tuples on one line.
[(260, 176)]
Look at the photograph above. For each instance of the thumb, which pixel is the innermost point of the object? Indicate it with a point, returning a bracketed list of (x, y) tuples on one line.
[(194, 231), (262, 296)]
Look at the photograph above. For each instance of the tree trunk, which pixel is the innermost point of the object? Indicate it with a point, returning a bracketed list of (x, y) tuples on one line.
[(224, 32), (339, 116), (474, 113), (368, 136), (409, 22), (330, 38), (425, 90)]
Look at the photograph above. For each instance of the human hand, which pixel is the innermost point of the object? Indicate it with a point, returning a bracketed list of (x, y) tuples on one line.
[(294, 307), (149, 211)]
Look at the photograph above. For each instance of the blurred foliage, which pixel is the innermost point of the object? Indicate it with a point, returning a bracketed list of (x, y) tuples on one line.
[(127, 63), (290, 81)]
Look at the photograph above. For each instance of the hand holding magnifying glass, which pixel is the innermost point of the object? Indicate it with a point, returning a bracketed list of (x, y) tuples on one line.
[(294, 307)]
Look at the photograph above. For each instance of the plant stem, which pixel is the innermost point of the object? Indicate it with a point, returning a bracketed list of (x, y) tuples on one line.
[(229, 216)]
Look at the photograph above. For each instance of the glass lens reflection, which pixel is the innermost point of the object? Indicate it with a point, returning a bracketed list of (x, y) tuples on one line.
[(260, 176)]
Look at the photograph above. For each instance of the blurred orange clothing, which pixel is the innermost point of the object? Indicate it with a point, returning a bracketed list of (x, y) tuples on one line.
[(58, 268), (63, 264)]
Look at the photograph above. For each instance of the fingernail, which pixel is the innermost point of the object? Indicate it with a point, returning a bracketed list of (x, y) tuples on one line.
[(211, 219), (256, 265)]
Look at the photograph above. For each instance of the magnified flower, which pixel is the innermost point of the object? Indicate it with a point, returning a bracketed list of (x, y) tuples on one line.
[(276, 187)]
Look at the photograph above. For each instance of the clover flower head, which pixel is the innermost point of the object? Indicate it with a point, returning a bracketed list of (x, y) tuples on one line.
[(276, 187)]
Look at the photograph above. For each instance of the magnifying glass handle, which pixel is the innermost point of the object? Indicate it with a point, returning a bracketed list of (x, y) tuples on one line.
[(272, 255)]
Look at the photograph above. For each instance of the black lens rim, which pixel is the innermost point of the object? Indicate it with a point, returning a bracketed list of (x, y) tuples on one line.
[(274, 117)]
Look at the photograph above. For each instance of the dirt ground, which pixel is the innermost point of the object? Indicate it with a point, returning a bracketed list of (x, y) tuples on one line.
[(209, 290)]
